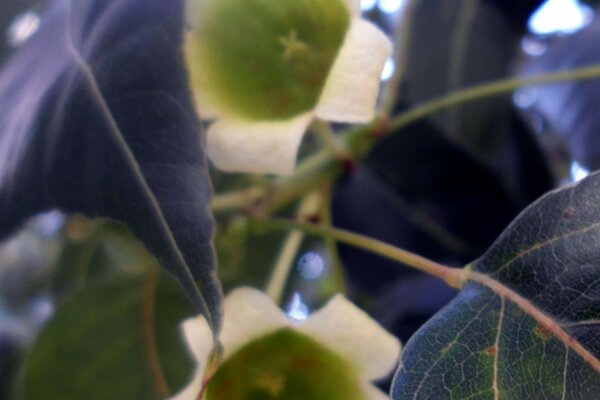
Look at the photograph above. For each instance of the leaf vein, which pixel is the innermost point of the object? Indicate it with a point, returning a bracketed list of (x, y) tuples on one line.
[(546, 321), (497, 347), (541, 245), (97, 95)]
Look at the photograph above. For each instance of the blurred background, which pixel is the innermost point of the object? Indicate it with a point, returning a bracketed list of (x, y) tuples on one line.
[(444, 188)]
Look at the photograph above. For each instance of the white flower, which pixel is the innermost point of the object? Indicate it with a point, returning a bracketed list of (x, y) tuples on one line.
[(340, 331), (248, 52)]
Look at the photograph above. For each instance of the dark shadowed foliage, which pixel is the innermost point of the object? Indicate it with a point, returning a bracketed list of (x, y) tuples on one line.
[(96, 117)]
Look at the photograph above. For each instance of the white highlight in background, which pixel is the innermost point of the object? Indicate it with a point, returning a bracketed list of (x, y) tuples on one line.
[(367, 5), (297, 310), (22, 27), (388, 69), (565, 16), (391, 6), (578, 172)]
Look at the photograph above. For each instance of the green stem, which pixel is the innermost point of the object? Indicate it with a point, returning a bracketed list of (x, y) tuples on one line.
[(452, 276), (401, 43), (323, 166), (337, 267), (317, 169), (486, 90), (293, 241), (236, 200), (283, 266), (330, 141)]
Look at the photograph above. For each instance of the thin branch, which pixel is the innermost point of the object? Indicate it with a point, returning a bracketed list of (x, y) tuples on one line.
[(322, 167), (486, 90), (291, 246), (401, 48), (330, 141), (452, 276), (337, 267)]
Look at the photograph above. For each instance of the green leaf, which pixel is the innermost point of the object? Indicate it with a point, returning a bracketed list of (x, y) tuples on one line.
[(526, 325), (118, 340), (96, 117)]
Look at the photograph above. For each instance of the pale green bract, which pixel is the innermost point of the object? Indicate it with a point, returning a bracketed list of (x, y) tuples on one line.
[(334, 354), (263, 69)]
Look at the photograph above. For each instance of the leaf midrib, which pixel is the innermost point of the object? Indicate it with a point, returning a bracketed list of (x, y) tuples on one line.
[(133, 163), (541, 317)]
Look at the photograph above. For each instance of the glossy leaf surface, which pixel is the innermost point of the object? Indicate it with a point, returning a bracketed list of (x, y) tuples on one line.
[(527, 323)]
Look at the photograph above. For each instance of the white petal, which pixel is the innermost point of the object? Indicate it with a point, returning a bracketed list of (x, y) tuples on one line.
[(350, 332), (191, 391), (258, 147), (199, 340), (198, 337), (350, 93), (248, 314), (373, 393), (353, 7)]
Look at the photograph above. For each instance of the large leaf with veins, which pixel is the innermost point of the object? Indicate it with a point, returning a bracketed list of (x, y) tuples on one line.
[(96, 117), (527, 323)]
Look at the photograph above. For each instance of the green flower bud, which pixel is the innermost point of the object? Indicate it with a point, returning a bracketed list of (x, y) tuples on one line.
[(265, 59), (333, 355), (286, 365)]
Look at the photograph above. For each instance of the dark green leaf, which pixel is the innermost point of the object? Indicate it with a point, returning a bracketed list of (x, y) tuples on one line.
[(96, 117), (454, 45), (114, 341), (437, 194), (527, 323)]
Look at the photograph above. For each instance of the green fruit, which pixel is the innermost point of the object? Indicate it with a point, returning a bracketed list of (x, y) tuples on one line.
[(286, 365), (265, 59)]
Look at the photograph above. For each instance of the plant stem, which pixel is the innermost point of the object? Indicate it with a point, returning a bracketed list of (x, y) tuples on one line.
[(491, 89), (401, 43), (283, 266), (323, 166), (330, 141), (285, 261), (236, 200), (337, 267), (452, 276)]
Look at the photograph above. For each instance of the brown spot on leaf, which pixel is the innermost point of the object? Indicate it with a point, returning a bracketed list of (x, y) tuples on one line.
[(542, 332), (569, 212), (446, 349), (490, 351)]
